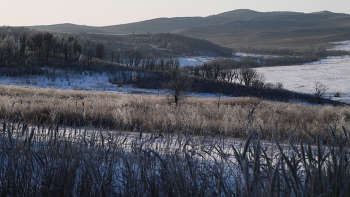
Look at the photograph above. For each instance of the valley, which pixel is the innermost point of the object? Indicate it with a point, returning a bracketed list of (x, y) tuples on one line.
[(241, 103)]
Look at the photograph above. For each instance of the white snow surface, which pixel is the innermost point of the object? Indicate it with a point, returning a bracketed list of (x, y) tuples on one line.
[(333, 72), (195, 60), (255, 55), (343, 45), (200, 60)]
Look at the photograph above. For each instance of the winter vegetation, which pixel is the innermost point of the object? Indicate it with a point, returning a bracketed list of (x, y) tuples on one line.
[(159, 114), (52, 146), (122, 115)]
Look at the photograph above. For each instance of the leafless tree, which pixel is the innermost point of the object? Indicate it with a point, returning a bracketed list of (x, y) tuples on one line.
[(35, 44), (216, 70), (8, 45), (129, 58), (48, 43), (134, 79), (112, 54), (119, 56), (178, 85), (90, 52), (259, 81), (23, 44), (320, 89), (247, 75), (100, 50), (137, 56)]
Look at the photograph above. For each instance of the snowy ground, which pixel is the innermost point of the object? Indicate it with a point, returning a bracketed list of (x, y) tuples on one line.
[(95, 82), (194, 61), (343, 45), (200, 60), (333, 72)]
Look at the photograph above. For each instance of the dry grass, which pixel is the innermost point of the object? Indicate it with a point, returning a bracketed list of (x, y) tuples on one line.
[(198, 116), (54, 161)]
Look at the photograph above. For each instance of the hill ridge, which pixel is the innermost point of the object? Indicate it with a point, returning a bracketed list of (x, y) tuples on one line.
[(238, 28)]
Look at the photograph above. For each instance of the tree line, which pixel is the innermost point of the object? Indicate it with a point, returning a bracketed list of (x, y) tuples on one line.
[(21, 46), (232, 72)]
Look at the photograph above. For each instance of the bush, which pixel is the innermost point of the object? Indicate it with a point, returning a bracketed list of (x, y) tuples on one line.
[(337, 94)]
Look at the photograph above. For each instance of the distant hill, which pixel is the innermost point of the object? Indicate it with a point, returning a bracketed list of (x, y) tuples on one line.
[(68, 27), (238, 28), (163, 25)]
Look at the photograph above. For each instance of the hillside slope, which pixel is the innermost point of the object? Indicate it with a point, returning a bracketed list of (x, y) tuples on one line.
[(239, 28)]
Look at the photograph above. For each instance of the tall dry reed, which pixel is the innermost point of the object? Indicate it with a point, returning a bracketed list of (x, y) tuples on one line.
[(233, 117)]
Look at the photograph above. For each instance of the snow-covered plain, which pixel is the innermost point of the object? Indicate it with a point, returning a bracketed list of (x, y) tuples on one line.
[(333, 72)]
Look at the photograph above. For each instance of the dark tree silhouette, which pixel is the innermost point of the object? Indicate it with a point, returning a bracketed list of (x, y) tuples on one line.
[(178, 85), (35, 44), (23, 44), (100, 50), (247, 75), (8, 45)]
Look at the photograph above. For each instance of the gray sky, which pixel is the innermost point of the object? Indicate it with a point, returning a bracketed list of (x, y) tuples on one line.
[(113, 12)]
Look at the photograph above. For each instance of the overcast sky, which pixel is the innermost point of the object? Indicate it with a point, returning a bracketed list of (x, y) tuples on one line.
[(113, 12)]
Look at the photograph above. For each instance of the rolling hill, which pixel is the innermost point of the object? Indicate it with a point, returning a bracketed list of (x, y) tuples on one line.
[(238, 28)]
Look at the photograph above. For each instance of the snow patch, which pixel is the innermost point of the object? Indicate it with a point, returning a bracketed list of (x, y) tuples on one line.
[(342, 46)]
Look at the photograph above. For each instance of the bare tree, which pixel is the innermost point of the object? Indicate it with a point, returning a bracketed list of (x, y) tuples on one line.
[(119, 56), (178, 85), (100, 50), (216, 70), (23, 45), (137, 56), (232, 75), (259, 81), (320, 89), (35, 44), (247, 75), (112, 54), (90, 52), (8, 45), (134, 79), (48, 42), (129, 58)]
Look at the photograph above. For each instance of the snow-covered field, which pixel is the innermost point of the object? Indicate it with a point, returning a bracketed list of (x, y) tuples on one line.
[(333, 72), (343, 45)]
